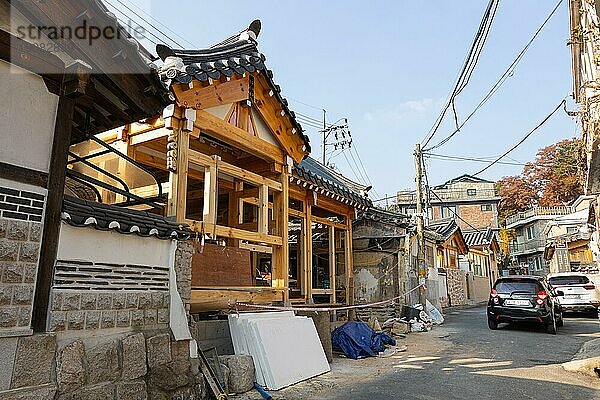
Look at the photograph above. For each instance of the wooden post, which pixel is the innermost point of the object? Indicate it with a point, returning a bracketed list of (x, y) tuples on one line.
[(51, 229), (349, 269), (332, 271), (309, 248), (263, 209), (303, 254), (234, 208), (280, 259), (178, 176), (209, 213)]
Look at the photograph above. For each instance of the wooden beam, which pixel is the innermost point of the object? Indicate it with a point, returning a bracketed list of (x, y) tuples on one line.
[(236, 137), (349, 270), (214, 299), (243, 116), (147, 136), (51, 224), (209, 213), (307, 237), (229, 232), (217, 94), (325, 221), (256, 248), (233, 211), (232, 170), (281, 260)]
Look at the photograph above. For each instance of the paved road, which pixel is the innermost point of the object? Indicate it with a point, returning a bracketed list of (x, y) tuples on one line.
[(514, 362)]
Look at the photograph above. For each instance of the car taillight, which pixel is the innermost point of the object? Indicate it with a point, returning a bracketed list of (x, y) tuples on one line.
[(494, 295), (589, 287), (541, 296)]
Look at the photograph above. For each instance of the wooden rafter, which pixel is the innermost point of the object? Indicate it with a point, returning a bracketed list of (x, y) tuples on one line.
[(203, 97)]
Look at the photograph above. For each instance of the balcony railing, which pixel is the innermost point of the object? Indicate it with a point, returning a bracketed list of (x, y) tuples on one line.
[(539, 211), (528, 246), (410, 197)]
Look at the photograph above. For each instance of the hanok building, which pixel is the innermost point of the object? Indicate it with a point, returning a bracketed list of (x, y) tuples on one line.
[(232, 160)]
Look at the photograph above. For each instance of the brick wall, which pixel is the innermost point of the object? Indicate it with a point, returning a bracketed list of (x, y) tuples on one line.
[(20, 237), (473, 214)]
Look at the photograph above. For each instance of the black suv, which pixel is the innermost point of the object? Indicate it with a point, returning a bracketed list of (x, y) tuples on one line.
[(524, 298)]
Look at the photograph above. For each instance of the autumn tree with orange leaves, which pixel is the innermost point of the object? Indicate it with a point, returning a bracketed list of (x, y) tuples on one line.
[(554, 178)]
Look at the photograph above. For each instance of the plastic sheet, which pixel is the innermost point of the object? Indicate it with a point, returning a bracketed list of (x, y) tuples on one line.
[(357, 340)]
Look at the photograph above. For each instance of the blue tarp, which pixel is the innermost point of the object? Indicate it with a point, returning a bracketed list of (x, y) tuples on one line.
[(358, 340)]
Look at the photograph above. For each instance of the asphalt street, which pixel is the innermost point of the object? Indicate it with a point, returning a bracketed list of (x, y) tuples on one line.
[(514, 362)]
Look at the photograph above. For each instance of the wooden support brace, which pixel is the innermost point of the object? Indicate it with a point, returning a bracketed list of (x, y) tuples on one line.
[(263, 209), (209, 213)]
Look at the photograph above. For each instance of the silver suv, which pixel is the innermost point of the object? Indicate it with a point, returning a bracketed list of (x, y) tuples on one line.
[(580, 292)]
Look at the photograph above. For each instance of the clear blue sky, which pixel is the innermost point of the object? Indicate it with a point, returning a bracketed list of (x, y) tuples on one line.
[(389, 65)]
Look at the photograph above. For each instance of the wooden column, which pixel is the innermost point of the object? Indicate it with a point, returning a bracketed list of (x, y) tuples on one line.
[(332, 271), (178, 177), (281, 259), (234, 212), (51, 229), (303, 254), (209, 212), (309, 249), (349, 269), (263, 209)]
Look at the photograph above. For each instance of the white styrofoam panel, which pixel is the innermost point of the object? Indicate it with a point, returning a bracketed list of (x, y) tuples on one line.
[(239, 344)]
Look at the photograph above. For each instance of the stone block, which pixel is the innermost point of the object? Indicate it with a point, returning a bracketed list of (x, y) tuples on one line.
[(8, 349), (133, 390), (9, 316), (23, 294), (150, 317), (137, 318), (3, 224), (119, 301), (57, 321), (103, 363), (157, 300), (29, 272), (71, 301), (163, 316), (180, 351), (104, 301), (9, 250), (70, 371), (88, 301), (145, 301), (158, 350), (242, 374), (6, 293), (170, 376), (35, 231), (43, 392), (92, 319), (104, 391), (24, 316), (13, 273), (108, 319), (29, 252), (132, 300), (133, 350), (56, 300), (34, 361), (17, 230), (75, 320), (123, 318)]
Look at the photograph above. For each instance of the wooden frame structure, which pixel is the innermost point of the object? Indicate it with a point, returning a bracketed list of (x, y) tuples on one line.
[(233, 161)]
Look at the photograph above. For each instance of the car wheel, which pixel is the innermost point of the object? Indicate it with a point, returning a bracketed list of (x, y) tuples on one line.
[(551, 327), (492, 324)]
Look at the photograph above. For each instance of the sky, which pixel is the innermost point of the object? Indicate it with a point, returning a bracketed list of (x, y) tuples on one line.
[(388, 66)]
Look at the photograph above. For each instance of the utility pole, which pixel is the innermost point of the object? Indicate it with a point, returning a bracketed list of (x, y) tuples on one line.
[(324, 135), (421, 269), (342, 138)]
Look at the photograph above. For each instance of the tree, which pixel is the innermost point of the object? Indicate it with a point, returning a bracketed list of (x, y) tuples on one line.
[(553, 178)]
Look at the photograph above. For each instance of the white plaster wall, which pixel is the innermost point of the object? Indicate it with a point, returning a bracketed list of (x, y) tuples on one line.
[(27, 119), (89, 244)]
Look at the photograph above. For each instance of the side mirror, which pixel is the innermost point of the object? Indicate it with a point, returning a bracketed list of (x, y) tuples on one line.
[(560, 293)]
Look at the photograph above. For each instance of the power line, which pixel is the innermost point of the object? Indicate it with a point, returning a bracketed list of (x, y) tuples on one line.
[(467, 68), (503, 78), (563, 103), (457, 158)]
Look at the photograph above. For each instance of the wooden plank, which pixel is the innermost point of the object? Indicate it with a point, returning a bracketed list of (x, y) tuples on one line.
[(209, 212), (236, 137), (256, 248), (23, 175), (51, 226), (221, 266), (224, 299), (296, 213), (229, 232), (332, 271), (232, 170), (327, 222), (201, 98), (263, 209), (147, 136)]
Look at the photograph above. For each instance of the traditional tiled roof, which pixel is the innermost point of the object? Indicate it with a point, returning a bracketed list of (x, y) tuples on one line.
[(444, 227), (310, 172), (387, 217), (236, 54), (479, 237), (83, 213), (463, 178)]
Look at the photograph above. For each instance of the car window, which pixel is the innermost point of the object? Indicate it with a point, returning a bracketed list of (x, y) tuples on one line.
[(569, 280), (510, 286)]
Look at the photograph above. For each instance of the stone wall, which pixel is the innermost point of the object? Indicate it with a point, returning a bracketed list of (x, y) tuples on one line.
[(183, 271), (457, 286), (479, 287), (140, 366), (20, 237)]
